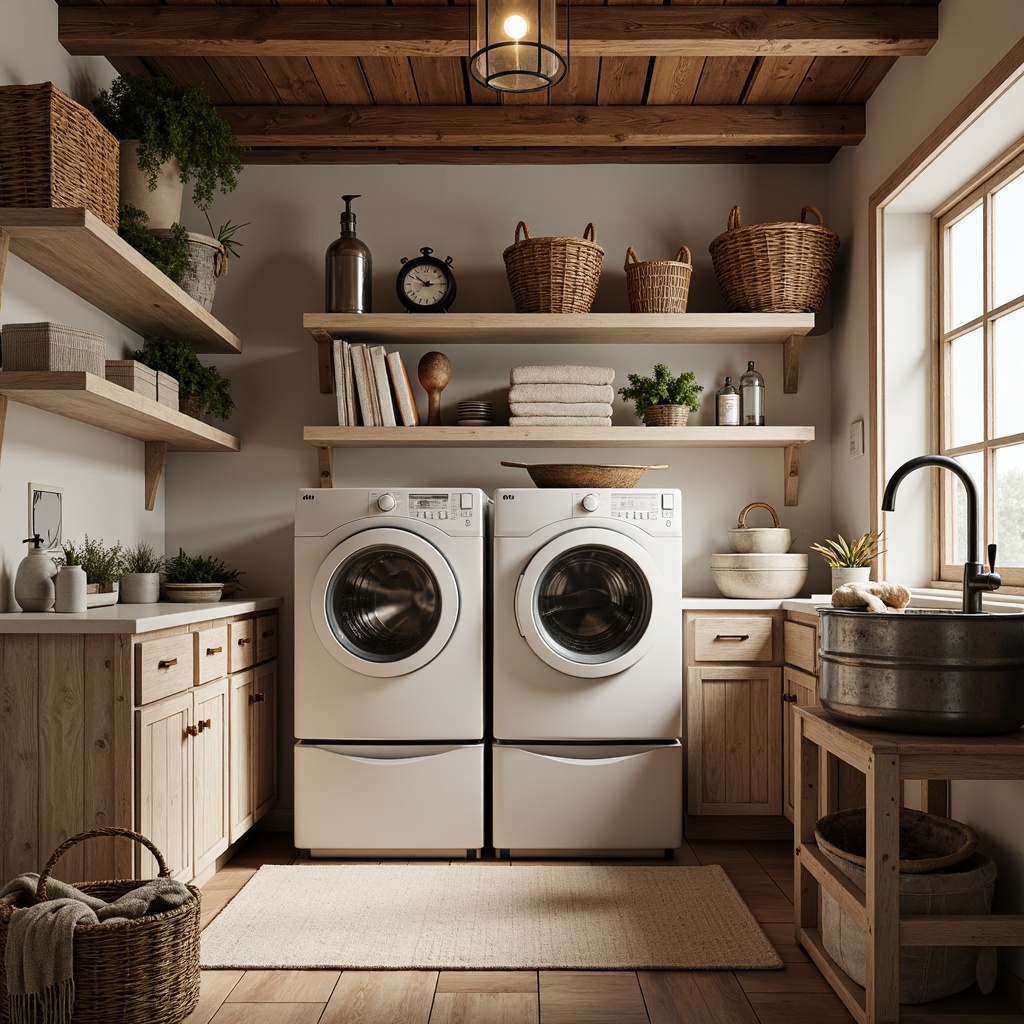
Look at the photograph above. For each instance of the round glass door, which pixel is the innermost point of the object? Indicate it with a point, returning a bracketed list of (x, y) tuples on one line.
[(585, 603), (385, 602)]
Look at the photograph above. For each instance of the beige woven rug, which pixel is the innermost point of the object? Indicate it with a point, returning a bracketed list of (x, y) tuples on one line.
[(487, 916)]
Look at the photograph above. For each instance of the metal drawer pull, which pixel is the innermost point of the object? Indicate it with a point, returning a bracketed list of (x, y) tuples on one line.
[(258, 698), (191, 730), (204, 725), (789, 698), (732, 636), (244, 640), (210, 651), (169, 663), (267, 634)]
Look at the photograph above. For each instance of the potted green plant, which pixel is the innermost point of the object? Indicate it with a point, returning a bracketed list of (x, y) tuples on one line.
[(850, 561), (140, 579), (168, 250), (191, 578), (663, 400), (229, 576), (170, 135), (103, 568), (201, 389)]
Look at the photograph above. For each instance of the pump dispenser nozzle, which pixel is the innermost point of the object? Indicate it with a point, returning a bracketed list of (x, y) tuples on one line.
[(348, 218)]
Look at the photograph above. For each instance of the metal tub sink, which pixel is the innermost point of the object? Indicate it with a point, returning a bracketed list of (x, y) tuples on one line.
[(927, 671)]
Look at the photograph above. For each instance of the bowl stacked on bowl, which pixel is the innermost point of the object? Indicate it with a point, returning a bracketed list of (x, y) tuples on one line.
[(759, 566), (475, 414)]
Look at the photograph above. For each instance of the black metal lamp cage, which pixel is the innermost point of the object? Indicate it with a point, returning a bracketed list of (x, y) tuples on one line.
[(513, 44)]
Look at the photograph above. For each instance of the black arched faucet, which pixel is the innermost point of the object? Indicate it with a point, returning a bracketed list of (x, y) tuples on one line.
[(976, 580)]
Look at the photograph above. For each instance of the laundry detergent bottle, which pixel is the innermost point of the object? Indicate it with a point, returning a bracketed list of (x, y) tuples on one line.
[(348, 268), (33, 582)]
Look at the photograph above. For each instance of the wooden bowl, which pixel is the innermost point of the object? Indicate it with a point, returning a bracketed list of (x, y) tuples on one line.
[(579, 474)]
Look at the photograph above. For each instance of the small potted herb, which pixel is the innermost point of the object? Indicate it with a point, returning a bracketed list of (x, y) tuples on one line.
[(191, 578), (103, 568), (140, 582), (201, 389), (663, 400), (850, 561)]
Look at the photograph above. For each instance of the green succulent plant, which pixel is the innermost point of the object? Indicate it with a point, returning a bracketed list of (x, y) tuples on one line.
[(840, 553), (662, 389)]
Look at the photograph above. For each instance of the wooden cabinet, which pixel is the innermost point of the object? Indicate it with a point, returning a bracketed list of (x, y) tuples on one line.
[(133, 728), (734, 722)]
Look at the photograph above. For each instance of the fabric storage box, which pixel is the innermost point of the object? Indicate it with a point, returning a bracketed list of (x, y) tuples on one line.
[(54, 153), (133, 375), (166, 389), (47, 346)]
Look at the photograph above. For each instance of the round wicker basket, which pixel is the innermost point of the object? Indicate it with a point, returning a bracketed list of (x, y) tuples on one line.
[(553, 275), (666, 415), (578, 474), (658, 286)]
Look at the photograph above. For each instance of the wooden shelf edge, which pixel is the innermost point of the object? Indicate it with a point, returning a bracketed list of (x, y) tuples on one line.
[(79, 251)]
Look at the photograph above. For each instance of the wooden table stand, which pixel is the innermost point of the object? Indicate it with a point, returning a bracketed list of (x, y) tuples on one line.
[(886, 759)]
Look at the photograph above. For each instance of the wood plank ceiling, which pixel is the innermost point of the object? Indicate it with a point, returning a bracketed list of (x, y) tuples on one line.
[(679, 81)]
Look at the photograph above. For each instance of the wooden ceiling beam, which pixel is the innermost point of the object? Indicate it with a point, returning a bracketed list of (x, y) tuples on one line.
[(313, 127), (203, 30)]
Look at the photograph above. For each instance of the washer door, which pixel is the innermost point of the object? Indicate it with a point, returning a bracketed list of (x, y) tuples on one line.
[(385, 602), (586, 604)]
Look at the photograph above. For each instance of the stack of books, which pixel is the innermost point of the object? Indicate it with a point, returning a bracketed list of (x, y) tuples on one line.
[(372, 387)]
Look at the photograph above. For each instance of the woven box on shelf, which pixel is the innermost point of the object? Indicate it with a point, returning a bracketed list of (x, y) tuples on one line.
[(782, 267), (55, 154), (166, 389), (133, 375), (46, 346), (658, 286), (142, 970), (553, 275)]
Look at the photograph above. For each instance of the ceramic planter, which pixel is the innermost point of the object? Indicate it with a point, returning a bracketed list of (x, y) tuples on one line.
[(140, 588), (849, 574), (162, 206), (193, 592)]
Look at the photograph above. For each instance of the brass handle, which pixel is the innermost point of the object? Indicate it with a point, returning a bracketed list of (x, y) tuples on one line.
[(732, 636), (204, 725), (789, 698), (210, 651), (267, 633), (244, 640), (169, 663), (191, 730), (259, 698)]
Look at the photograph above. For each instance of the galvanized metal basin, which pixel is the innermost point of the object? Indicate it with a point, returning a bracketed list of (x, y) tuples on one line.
[(935, 672)]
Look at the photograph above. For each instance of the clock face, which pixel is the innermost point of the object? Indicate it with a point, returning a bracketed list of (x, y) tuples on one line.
[(426, 284)]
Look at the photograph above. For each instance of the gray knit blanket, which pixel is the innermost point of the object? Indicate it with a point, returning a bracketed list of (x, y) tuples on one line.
[(40, 937)]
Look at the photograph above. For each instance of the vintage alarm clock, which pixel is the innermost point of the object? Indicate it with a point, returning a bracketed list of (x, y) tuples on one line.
[(426, 284)]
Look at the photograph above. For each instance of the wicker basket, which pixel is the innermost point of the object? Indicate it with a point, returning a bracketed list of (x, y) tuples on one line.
[(666, 415), (139, 971), (55, 154), (774, 268), (553, 275), (133, 375), (580, 474), (46, 346), (658, 286)]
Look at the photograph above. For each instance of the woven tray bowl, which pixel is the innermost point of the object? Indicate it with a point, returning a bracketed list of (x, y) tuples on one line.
[(577, 474), (928, 842)]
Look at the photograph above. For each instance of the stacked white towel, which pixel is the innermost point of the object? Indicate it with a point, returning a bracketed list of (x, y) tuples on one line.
[(561, 396)]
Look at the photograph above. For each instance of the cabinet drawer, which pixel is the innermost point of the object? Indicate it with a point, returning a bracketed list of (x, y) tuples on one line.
[(266, 637), (211, 654), (163, 667), (241, 652), (733, 638), (801, 646)]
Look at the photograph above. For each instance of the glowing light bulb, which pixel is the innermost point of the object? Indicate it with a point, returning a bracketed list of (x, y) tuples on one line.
[(515, 26)]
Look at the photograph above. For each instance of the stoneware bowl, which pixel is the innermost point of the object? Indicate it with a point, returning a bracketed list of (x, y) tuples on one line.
[(759, 576), (759, 539)]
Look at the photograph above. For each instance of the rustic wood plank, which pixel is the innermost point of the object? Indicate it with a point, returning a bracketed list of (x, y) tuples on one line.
[(284, 987), (316, 30), (340, 79), (368, 997), (709, 997), (103, 760), (792, 979), (438, 79), (557, 126), (214, 988), (723, 80), (390, 80), (591, 997), (674, 80), (579, 85), (484, 1008), (622, 80), (269, 1013), (805, 1008), (293, 79), (487, 981), (19, 756), (776, 79)]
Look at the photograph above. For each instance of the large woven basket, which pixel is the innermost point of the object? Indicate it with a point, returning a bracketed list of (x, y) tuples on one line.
[(658, 286), (782, 267), (553, 275), (49, 346), (54, 153), (139, 971)]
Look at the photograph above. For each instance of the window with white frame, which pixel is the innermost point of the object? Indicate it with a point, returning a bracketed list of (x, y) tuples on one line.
[(981, 360)]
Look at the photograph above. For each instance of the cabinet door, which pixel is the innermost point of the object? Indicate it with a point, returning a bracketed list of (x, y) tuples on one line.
[(264, 739), (210, 761), (164, 784), (734, 740), (240, 798), (800, 691)]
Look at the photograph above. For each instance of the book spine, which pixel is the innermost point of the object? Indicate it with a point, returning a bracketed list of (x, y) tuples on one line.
[(338, 359), (378, 360), (403, 390), (364, 387)]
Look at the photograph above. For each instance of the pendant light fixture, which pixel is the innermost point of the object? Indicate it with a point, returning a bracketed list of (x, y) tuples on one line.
[(513, 44)]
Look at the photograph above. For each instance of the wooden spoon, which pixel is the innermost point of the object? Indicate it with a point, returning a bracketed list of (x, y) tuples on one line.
[(434, 372)]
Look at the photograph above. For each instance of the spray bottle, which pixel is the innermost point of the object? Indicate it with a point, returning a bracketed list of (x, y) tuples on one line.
[(348, 268)]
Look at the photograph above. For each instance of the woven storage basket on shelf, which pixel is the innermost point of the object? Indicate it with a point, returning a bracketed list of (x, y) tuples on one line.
[(666, 415), (55, 154), (553, 275), (139, 971), (46, 346), (658, 286), (783, 267), (133, 375)]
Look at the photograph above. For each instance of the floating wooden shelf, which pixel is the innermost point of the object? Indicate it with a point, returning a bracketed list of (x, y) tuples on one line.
[(786, 329), (77, 250), (90, 399), (790, 439)]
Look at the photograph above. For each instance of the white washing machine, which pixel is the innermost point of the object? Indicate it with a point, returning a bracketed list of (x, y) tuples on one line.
[(587, 678), (390, 642)]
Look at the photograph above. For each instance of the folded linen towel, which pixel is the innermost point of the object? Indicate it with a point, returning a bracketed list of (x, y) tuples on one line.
[(559, 421), (560, 409), (561, 374), (40, 955), (562, 393)]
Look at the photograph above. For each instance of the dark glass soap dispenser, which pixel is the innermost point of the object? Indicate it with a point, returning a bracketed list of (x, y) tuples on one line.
[(348, 268)]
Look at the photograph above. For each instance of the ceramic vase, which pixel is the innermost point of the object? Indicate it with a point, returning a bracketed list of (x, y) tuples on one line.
[(163, 205), (33, 582), (140, 588), (70, 590), (849, 574)]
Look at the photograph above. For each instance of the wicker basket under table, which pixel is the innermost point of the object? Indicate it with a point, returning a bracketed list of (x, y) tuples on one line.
[(142, 971), (55, 154)]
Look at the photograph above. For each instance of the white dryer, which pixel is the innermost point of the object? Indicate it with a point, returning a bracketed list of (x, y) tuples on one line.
[(390, 641), (587, 679)]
